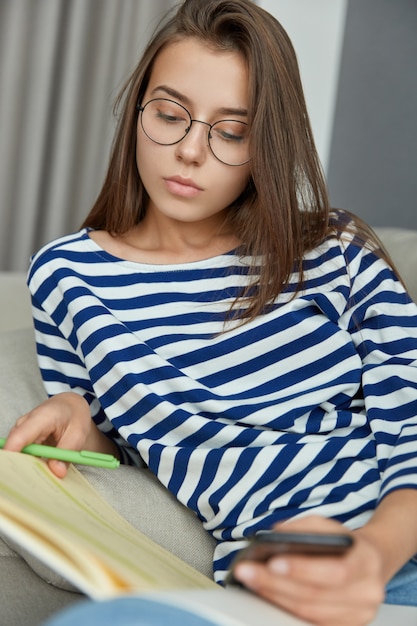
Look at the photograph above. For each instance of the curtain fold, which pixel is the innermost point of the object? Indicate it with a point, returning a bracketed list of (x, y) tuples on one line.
[(62, 63)]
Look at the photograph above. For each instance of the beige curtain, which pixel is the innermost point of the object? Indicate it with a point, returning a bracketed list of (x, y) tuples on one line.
[(61, 65)]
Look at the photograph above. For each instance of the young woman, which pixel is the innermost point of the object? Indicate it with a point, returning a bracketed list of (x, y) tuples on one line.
[(214, 320)]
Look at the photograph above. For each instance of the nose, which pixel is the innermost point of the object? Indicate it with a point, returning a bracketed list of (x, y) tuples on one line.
[(193, 148)]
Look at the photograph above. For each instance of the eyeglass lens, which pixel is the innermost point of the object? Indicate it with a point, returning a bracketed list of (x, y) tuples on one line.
[(167, 122)]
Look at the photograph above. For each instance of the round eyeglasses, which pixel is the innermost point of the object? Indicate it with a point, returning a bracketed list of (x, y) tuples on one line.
[(167, 122)]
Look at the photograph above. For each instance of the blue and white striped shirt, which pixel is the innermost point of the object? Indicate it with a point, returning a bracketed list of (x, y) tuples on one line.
[(312, 407)]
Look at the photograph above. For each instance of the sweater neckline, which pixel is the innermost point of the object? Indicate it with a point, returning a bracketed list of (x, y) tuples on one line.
[(226, 258)]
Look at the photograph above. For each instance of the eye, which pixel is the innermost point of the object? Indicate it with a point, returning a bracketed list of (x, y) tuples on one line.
[(230, 131), (169, 112), (168, 117)]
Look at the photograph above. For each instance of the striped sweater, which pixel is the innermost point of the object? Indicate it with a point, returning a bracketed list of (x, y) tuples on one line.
[(312, 407)]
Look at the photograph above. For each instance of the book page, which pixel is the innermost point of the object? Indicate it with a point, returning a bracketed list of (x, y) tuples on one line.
[(71, 528), (232, 606), (235, 606)]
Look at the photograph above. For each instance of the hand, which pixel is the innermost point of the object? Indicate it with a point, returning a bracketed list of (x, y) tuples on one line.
[(324, 590), (63, 420)]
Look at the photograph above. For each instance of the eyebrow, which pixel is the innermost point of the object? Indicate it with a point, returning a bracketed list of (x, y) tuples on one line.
[(240, 112)]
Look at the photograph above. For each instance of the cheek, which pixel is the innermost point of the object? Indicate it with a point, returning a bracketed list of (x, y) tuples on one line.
[(235, 183), (147, 158)]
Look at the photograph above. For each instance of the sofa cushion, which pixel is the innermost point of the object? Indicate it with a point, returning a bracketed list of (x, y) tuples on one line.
[(15, 308), (26, 599), (21, 385), (402, 246)]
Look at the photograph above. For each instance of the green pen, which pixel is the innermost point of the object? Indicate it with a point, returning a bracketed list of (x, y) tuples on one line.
[(82, 457)]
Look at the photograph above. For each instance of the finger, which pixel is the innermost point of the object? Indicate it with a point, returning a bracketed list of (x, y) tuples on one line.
[(355, 605), (21, 420), (280, 574), (24, 432), (38, 426), (318, 571), (59, 468), (71, 439), (318, 611)]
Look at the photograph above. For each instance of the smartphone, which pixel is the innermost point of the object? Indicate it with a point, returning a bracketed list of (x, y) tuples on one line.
[(267, 544)]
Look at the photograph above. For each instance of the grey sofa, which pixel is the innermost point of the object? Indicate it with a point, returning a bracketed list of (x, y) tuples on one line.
[(29, 593)]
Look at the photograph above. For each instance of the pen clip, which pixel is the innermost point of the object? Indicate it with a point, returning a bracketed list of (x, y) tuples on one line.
[(102, 460)]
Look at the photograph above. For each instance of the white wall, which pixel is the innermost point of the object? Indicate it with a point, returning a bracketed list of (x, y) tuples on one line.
[(316, 28)]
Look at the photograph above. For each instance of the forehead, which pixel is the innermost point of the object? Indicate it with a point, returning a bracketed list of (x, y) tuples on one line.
[(203, 75)]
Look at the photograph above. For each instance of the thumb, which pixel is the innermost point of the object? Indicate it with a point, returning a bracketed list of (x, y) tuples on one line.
[(59, 468)]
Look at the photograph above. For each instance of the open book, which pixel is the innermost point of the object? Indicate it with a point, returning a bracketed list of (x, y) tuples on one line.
[(66, 524)]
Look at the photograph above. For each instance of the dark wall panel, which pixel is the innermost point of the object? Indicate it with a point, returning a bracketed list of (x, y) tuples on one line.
[(373, 158)]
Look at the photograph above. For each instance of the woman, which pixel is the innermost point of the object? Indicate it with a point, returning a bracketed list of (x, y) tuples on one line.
[(216, 321)]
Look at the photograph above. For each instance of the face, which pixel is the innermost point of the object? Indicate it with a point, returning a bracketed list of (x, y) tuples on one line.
[(184, 181)]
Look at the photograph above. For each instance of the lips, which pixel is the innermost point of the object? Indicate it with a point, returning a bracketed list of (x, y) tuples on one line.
[(182, 186)]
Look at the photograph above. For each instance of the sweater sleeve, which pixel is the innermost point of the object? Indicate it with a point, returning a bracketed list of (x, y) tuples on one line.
[(62, 369), (382, 320)]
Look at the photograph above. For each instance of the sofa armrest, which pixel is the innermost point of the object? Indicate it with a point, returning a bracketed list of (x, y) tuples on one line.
[(401, 243)]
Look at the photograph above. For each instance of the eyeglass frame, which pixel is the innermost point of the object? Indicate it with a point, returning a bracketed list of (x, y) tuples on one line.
[(210, 126)]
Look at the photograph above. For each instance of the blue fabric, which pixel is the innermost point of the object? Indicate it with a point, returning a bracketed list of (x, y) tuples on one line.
[(402, 589), (128, 612)]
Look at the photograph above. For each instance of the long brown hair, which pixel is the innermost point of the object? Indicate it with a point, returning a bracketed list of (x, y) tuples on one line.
[(284, 210)]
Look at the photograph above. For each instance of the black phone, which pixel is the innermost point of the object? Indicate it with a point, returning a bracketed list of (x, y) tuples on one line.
[(267, 544)]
